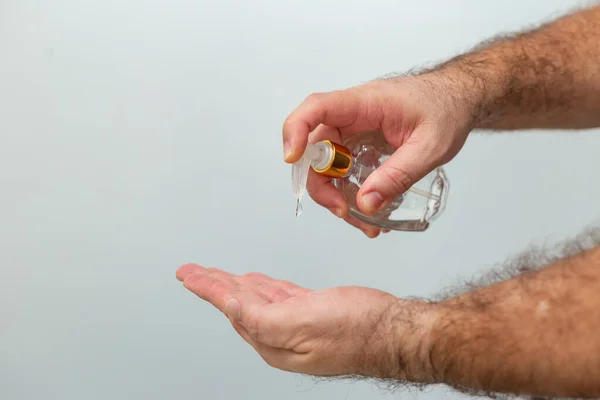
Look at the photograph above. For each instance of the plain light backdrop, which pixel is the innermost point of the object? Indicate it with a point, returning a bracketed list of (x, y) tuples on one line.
[(136, 136)]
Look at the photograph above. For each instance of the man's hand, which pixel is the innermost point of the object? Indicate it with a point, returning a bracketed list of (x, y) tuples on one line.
[(545, 78), (332, 332), (422, 118), (535, 334)]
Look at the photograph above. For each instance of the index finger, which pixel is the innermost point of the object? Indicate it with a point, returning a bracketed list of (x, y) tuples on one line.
[(219, 289), (338, 108), (216, 290)]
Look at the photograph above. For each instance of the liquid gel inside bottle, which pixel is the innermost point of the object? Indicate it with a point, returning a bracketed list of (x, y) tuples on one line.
[(350, 164)]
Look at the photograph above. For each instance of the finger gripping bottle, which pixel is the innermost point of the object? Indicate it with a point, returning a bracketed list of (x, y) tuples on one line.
[(349, 164)]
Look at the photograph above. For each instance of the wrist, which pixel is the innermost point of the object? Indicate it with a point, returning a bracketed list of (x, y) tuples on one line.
[(412, 324), (474, 83)]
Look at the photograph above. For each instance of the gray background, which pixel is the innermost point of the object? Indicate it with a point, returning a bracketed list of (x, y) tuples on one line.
[(139, 135)]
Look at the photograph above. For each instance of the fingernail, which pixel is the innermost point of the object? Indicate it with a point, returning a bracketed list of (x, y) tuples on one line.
[(233, 309), (287, 149), (338, 212), (372, 201)]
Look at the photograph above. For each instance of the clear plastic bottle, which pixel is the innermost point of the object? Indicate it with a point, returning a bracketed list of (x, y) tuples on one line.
[(351, 163)]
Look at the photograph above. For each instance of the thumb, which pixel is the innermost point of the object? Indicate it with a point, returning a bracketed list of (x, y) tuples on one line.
[(263, 322), (410, 163)]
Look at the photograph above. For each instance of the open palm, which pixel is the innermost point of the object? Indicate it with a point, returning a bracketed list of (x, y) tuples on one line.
[(329, 332)]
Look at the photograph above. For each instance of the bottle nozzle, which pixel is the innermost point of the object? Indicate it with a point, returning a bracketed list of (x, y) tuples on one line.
[(316, 155), (337, 162), (326, 158)]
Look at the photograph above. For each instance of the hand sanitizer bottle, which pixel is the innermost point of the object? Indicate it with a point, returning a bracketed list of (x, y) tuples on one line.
[(350, 164)]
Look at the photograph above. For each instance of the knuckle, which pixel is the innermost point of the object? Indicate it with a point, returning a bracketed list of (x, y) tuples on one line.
[(287, 285), (253, 275), (287, 126), (321, 192), (191, 279), (212, 283), (186, 270), (313, 102), (399, 180), (202, 284), (275, 293), (434, 148), (288, 121), (315, 98), (216, 273), (314, 189), (317, 104), (290, 287), (317, 191)]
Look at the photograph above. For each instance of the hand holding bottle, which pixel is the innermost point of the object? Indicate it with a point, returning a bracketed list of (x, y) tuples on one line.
[(419, 116)]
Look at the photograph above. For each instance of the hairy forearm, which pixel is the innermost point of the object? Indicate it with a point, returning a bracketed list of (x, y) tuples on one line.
[(536, 334), (546, 78)]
